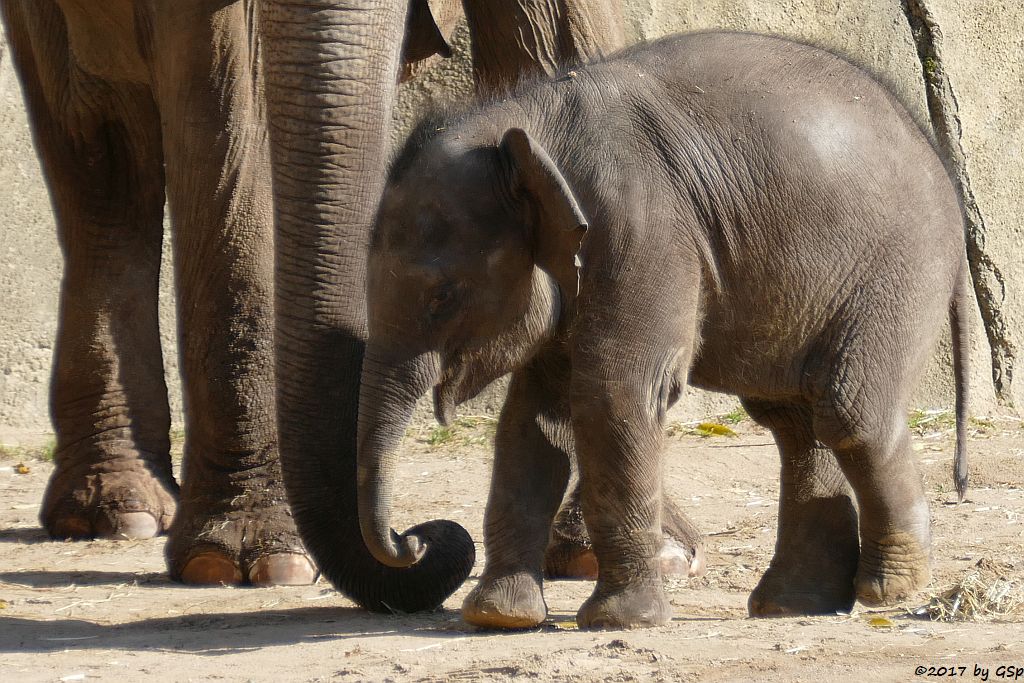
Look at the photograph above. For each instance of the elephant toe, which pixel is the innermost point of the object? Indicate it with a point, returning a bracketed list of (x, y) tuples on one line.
[(248, 538), (582, 566), (282, 569), (127, 526), (678, 560), (211, 568)]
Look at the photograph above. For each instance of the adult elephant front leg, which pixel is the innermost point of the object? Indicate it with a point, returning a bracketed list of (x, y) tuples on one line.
[(233, 524), (98, 138)]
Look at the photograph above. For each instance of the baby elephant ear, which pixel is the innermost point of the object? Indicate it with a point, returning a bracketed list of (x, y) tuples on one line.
[(561, 225)]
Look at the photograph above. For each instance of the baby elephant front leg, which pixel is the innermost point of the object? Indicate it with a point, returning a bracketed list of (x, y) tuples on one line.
[(618, 441), (531, 470)]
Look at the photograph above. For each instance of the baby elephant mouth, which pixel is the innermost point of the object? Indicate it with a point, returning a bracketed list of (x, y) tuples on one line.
[(448, 392), (462, 379), (444, 404)]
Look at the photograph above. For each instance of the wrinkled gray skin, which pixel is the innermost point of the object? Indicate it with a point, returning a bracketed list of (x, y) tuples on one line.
[(330, 70), (736, 212)]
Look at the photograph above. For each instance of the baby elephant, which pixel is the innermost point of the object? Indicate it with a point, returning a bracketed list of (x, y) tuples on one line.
[(735, 212)]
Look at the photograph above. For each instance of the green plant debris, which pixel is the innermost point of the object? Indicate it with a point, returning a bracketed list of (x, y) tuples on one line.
[(470, 430), (982, 424), (440, 435), (43, 452), (931, 421), (735, 417), (923, 422)]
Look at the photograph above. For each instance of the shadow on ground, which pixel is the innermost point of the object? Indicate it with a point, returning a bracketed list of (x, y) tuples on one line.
[(24, 535), (220, 634), (45, 579)]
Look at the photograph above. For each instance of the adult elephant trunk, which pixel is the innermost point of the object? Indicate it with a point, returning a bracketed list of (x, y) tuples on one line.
[(388, 394), (331, 67)]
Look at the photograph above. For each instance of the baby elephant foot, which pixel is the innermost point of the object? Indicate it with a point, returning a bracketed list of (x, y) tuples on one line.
[(636, 605), (124, 503), (892, 569), (511, 601)]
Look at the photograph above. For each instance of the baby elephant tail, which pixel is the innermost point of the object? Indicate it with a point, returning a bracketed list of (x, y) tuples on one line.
[(959, 306)]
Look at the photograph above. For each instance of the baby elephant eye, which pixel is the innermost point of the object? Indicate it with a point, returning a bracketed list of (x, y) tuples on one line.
[(442, 301)]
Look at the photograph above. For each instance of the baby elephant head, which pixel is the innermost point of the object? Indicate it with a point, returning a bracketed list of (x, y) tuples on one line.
[(474, 253)]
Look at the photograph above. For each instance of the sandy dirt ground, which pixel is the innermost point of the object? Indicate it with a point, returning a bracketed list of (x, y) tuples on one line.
[(106, 611)]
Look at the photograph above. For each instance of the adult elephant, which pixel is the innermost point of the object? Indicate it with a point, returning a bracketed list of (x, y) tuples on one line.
[(127, 101), (143, 97)]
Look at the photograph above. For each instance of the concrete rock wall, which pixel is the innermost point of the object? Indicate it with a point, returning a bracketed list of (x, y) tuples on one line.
[(955, 63), (29, 267)]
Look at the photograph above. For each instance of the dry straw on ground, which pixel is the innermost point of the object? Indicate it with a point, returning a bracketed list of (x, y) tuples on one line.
[(989, 589)]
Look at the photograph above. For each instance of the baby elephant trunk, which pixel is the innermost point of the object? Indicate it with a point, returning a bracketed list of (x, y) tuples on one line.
[(387, 398)]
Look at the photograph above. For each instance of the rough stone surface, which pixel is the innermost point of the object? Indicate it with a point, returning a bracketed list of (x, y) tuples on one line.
[(29, 268), (980, 42)]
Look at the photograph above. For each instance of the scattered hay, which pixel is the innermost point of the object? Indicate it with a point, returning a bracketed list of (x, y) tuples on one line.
[(987, 590)]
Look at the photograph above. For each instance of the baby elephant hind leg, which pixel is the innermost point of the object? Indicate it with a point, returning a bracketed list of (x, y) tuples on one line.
[(872, 444), (817, 548), (531, 469)]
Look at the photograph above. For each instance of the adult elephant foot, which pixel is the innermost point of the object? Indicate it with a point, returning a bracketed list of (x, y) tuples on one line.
[(815, 560), (124, 498), (243, 537), (639, 604), (511, 601), (570, 556)]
